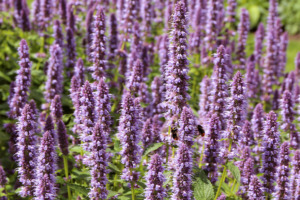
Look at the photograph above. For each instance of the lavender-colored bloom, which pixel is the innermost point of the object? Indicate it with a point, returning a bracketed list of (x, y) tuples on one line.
[(62, 137), (99, 163), (297, 65), (120, 9), (283, 172), (71, 49), (187, 127), (289, 82), (45, 182), (79, 71), (36, 14), (168, 14), (282, 54), (157, 89), (237, 107), (204, 108), (122, 67), (11, 92), (219, 91), (147, 133), (163, 56), (49, 126), (182, 180), (146, 59), (243, 30), (56, 108), (155, 179), (211, 24), (103, 105), (222, 197), (245, 154), (46, 13), (252, 78), (295, 178), (113, 39), (89, 21), (247, 135), (259, 38), (3, 177), (212, 149), (130, 14), (136, 77), (71, 20), (87, 115), (270, 152), (276, 100), (177, 69), (22, 82), (54, 81), (156, 126), (21, 14), (11, 129), (99, 46), (257, 121), (147, 15), (27, 152), (58, 34), (255, 189), (146, 100), (246, 174), (63, 11), (230, 11), (129, 135)]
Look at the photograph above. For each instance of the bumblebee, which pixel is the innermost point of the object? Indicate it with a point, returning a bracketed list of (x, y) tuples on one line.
[(174, 132), (201, 130)]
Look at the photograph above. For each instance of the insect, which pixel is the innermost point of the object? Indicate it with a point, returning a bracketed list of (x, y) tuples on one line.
[(201, 130), (174, 132)]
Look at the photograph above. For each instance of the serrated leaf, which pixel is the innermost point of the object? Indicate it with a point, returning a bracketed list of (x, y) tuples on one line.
[(78, 188), (111, 194), (234, 171), (203, 189), (152, 148)]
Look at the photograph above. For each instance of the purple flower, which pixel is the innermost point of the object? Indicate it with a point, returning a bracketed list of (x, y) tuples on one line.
[(129, 135), (71, 49), (157, 89), (252, 78), (56, 108), (46, 13), (211, 152), (204, 108), (54, 81), (282, 53), (58, 34), (259, 38), (79, 71), (36, 14), (62, 137), (49, 126), (155, 179), (211, 24), (283, 172), (163, 54), (230, 12), (168, 14), (113, 39), (246, 174), (219, 89), (177, 69), (243, 30), (11, 129), (89, 21), (182, 179), (255, 189), (147, 133), (130, 14), (146, 100), (297, 65), (147, 16), (71, 20), (295, 176), (22, 82), (63, 11), (156, 126), (99, 162), (270, 152), (187, 127), (98, 46), (27, 152), (276, 100), (87, 115), (45, 182), (289, 82), (257, 121), (122, 67), (136, 77), (75, 96), (3, 178), (247, 138), (21, 14)]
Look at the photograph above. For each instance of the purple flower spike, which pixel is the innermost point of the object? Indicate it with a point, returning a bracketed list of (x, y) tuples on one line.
[(243, 30), (129, 135), (275, 100), (257, 121), (283, 172), (145, 98), (247, 135), (71, 20), (252, 78), (62, 137), (211, 24), (129, 14), (157, 89), (289, 82), (113, 39), (99, 163), (45, 182), (98, 46), (287, 110), (219, 86), (182, 180), (87, 115), (155, 179), (187, 127), (177, 69), (27, 152), (22, 82), (79, 71), (255, 189), (58, 34), (164, 56), (46, 13), (212, 148), (230, 18), (136, 77), (54, 81), (282, 54), (297, 65), (71, 49), (222, 197), (259, 38), (204, 108), (147, 133), (295, 178), (75, 96), (147, 15), (56, 108), (270, 152), (168, 14), (89, 21), (49, 126), (3, 178), (63, 11), (36, 14), (21, 14), (246, 174)]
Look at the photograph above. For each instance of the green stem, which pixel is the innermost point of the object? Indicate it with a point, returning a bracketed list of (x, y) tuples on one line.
[(132, 187), (167, 147), (201, 157), (67, 175), (233, 185)]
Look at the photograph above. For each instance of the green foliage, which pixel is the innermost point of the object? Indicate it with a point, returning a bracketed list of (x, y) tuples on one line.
[(290, 15), (202, 187)]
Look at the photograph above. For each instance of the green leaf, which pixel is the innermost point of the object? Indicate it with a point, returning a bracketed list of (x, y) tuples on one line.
[(254, 14), (152, 148), (234, 171), (78, 188), (113, 167), (111, 194), (203, 189)]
